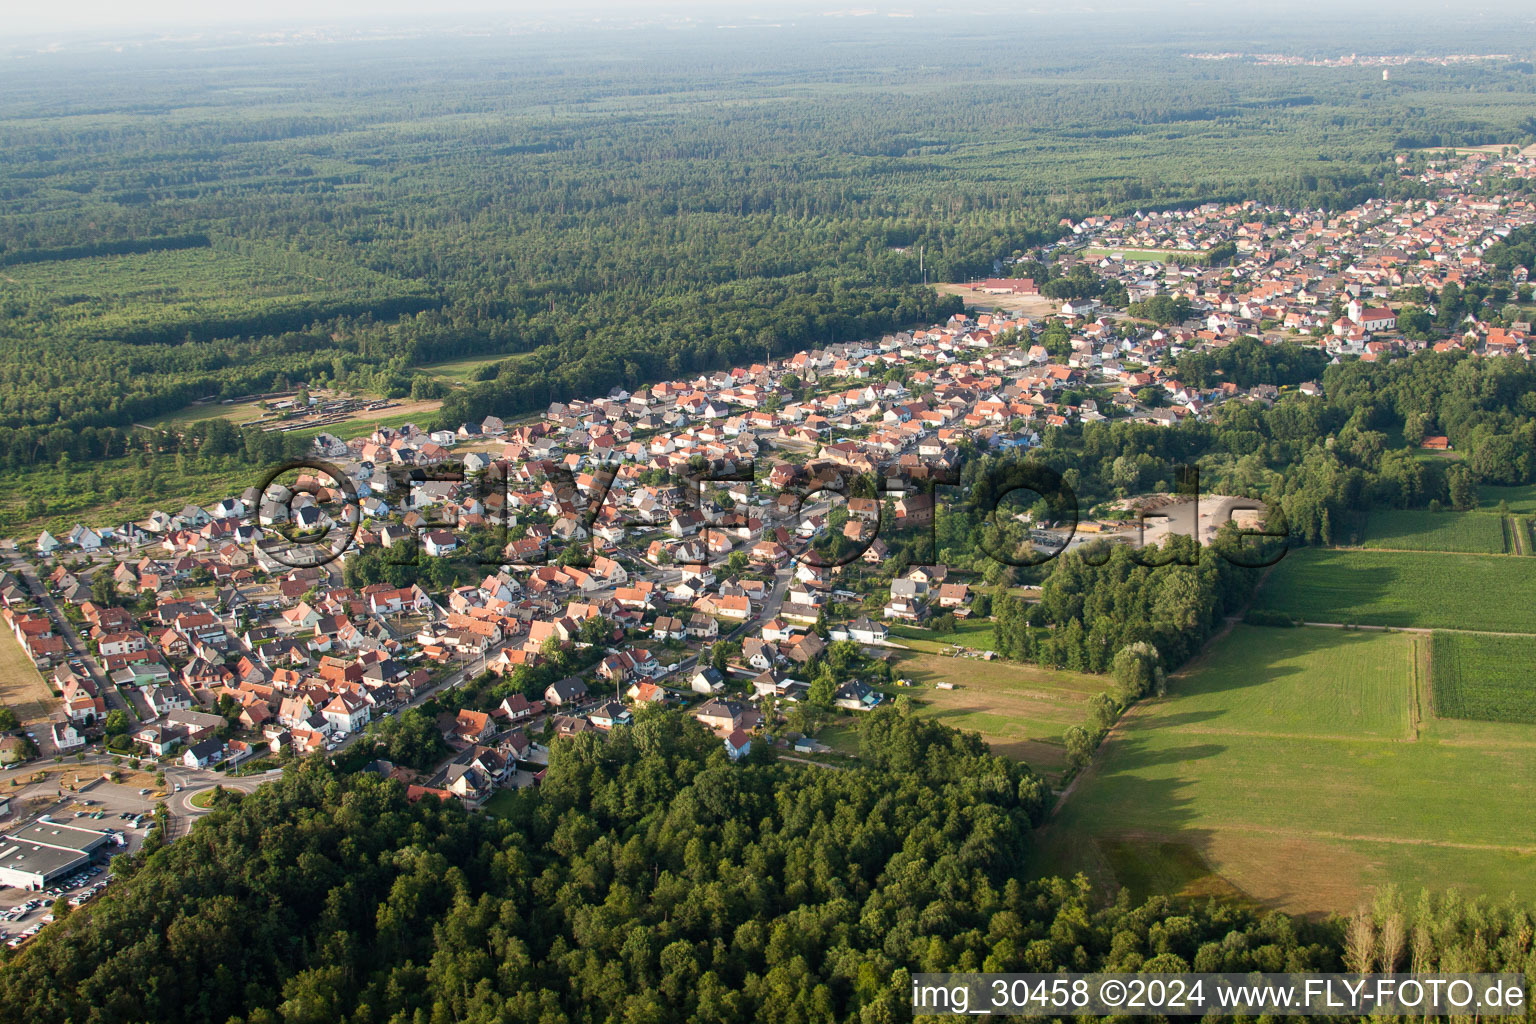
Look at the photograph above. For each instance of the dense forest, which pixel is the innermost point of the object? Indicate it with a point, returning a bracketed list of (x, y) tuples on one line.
[(651, 880), (199, 222)]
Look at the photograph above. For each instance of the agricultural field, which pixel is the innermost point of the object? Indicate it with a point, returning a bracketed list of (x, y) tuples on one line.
[(22, 689), (1409, 530), (1302, 682), (1244, 782), (1484, 677), (1020, 710), (1404, 589)]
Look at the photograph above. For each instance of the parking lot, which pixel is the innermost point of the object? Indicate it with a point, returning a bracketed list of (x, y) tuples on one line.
[(118, 811), (27, 911)]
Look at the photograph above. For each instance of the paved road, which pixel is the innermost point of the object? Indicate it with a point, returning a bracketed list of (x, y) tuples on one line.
[(23, 571), (782, 579), (180, 804)]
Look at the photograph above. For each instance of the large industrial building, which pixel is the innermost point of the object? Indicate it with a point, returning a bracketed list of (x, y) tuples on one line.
[(36, 855)]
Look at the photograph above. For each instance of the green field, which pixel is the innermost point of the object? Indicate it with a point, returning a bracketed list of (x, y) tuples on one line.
[(975, 634), (1404, 589), (1020, 710), (1483, 677), (1297, 789), (500, 803), (842, 737), (459, 371), (202, 292), (1302, 682), (1407, 530), (1521, 499), (1151, 255)]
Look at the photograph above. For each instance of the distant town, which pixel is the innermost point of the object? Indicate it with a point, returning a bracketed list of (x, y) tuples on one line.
[(190, 640)]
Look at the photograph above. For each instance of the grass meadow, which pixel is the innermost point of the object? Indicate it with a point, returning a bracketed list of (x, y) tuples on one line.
[(1020, 710), (1404, 589), (1520, 498), (1285, 769)]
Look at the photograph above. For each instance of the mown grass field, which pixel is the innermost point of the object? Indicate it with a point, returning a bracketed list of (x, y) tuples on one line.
[(1302, 682), (1404, 589), (1411, 530), (1485, 678), (1242, 783), (500, 803), (976, 634), (22, 688), (458, 371), (1151, 255), (1521, 498), (1020, 710)]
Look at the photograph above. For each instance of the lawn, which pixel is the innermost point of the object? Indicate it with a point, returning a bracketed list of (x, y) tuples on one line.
[(235, 412), (1151, 255), (1483, 677), (842, 737), (1283, 762), (1404, 589), (1405, 530), (976, 634), (500, 802), (1020, 710)]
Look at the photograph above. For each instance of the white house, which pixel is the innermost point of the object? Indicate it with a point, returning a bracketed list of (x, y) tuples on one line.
[(85, 538), (346, 713), (67, 737), (738, 744)]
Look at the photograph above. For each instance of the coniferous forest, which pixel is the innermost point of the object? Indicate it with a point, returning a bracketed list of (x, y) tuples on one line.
[(192, 219), (651, 880)]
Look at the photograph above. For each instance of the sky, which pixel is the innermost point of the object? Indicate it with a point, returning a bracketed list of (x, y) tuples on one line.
[(158, 16), (154, 15)]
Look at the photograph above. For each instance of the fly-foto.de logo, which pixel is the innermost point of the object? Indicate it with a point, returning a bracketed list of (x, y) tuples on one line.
[(825, 515)]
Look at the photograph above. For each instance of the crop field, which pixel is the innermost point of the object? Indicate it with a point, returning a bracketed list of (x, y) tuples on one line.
[(1244, 782), (1483, 677), (1404, 589), (1020, 710), (22, 689), (1407, 530)]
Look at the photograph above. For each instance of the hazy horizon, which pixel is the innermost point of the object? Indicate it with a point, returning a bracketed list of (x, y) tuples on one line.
[(77, 18)]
